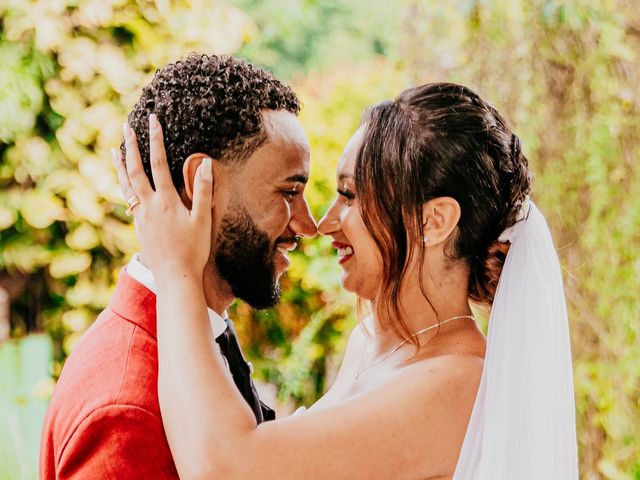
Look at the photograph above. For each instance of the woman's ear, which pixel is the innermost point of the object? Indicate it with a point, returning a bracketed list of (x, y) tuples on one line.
[(189, 170), (440, 216)]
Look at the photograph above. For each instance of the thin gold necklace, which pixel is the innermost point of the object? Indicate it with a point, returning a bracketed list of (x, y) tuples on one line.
[(413, 335)]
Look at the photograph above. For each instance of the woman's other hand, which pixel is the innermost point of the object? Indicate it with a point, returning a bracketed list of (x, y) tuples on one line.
[(173, 239)]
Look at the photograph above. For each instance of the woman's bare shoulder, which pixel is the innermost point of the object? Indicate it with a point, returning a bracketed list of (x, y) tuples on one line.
[(454, 369)]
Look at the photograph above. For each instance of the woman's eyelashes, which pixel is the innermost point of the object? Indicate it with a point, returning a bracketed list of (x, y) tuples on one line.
[(346, 193)]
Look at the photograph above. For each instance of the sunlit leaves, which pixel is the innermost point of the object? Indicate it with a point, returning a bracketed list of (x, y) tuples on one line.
[(77, 320), (30, 159), (84, 203), (78, 60), (7, 217), (25, 257), (92, 293), (83, 237), (20, 93), (41, 208), (118, 237), (67, 263)]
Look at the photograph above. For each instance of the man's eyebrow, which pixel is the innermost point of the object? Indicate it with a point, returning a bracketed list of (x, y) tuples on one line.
[(297, 178)]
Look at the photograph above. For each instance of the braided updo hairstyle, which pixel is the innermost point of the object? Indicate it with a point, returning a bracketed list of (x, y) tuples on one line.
[(432, 141)]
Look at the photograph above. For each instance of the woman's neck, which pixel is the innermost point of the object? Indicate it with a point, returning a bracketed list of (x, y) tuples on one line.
[(444, 297)]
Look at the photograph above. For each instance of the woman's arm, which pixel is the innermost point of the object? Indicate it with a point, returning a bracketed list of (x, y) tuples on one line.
[(412, 427)]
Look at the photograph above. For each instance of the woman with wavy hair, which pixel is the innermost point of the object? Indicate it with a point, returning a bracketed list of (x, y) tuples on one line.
[(433, 212)]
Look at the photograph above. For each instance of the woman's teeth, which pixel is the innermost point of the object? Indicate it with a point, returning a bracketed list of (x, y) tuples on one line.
[(344, 252)]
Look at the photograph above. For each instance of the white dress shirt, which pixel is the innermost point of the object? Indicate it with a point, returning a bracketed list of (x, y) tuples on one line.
[(143, 275)]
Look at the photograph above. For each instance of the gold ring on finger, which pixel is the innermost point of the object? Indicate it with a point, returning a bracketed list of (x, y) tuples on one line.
[(131, 203)]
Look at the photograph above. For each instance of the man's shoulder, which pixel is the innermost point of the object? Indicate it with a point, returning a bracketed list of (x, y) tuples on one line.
[(111, 351), (128, 321), (113, 441), (114, 363)]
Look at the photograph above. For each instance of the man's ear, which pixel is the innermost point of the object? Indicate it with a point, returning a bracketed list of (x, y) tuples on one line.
[(440, 216), (189, 170)]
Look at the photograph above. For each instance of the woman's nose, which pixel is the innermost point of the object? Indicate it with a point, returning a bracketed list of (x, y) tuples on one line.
[(330, 222)]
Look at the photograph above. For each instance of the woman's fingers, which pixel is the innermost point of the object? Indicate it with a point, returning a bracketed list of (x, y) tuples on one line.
[(159, 168), (202, 194), (137, 177), (123, 179)]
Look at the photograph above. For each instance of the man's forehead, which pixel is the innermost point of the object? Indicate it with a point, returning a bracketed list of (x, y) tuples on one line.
[(284, 157), (284, 126)]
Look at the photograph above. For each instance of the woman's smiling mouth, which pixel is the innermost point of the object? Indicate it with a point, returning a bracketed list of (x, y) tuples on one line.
[(345, 251)]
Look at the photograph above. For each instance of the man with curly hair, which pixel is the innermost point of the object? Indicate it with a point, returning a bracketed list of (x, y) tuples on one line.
[(104, 419)]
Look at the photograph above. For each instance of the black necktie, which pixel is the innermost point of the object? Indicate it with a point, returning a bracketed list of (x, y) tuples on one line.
[(241, 373)]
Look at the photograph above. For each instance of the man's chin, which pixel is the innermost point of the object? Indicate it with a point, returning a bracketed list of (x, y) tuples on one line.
[(260, 297), (264, 302)]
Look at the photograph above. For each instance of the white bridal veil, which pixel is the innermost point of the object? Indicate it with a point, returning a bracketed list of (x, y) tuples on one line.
[(523, 421)]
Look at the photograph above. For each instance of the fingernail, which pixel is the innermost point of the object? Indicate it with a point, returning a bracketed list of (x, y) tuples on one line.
[(205, 168), (114, 156), (126, 130), (153, 121)]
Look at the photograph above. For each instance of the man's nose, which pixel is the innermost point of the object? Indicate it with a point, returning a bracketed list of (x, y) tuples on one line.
[(302, 222)]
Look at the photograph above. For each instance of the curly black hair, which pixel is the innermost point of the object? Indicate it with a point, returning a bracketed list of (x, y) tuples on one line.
[(209, 104)]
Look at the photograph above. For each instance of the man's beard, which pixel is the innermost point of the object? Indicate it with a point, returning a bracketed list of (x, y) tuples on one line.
[(245, 258)]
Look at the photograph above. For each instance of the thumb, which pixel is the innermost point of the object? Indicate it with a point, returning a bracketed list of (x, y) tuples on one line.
[(202, 193)]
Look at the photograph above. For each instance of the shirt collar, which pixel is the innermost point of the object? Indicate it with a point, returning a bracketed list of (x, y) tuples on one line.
[(139, 272)]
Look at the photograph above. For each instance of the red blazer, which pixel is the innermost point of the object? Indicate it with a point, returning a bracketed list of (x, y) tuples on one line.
[(104, 419)]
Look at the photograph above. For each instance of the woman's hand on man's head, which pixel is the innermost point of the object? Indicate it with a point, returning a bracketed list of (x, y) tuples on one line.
[(174, 240)]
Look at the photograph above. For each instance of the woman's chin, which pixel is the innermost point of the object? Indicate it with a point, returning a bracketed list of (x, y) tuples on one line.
[(351, 284)]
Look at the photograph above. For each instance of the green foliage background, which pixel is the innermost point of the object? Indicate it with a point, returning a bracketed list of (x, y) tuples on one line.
[(565, 73)]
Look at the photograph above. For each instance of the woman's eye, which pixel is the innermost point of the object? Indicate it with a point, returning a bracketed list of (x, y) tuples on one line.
[(349, 195)]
